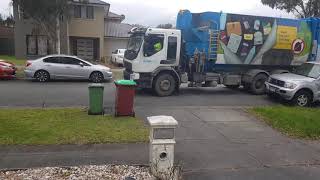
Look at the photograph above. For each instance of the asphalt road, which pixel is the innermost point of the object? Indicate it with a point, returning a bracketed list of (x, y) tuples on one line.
[(21, 93)]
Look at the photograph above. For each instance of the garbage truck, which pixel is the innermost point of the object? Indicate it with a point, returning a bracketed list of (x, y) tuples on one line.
[(211, 48)]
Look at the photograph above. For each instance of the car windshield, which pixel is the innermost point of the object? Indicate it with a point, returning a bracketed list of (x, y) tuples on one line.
[(309, 70), (133, 47)]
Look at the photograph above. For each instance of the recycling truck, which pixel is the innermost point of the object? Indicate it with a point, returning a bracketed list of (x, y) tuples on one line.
[(212, 48)]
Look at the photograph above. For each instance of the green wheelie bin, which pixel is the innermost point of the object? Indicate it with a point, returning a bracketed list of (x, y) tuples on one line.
[(96, 99)]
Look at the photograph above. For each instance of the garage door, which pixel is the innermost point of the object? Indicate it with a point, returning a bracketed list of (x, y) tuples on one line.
[(85, 49)]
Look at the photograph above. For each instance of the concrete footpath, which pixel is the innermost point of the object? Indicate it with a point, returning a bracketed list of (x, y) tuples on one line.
[(212, 143)]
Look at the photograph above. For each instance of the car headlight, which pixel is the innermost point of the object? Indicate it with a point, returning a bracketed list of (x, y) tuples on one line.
[(290, 85)]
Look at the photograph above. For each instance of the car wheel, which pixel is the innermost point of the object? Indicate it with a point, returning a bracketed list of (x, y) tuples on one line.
[(302, 98), (258, 86), (97, 77), (164, 85), (42, 76)]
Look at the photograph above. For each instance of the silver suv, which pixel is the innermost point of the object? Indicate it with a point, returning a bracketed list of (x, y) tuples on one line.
[(301, 87)]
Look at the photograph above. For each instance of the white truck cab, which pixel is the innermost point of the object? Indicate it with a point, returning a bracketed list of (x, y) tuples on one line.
[(150, 54)]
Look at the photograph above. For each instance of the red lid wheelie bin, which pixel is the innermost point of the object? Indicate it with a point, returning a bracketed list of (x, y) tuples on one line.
[(125, 97)]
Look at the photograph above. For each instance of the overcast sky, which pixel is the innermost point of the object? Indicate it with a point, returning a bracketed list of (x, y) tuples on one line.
[(154, 12)]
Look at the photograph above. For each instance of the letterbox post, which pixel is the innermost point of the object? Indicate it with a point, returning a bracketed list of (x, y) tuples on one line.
[(162, 142)]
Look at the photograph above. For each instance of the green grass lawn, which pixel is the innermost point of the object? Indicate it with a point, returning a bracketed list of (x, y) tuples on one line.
[(67, 126), (293, 121), (14, 60)]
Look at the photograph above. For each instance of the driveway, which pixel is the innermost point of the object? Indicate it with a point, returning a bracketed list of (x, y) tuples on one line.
[(61, 94), (229, 143)]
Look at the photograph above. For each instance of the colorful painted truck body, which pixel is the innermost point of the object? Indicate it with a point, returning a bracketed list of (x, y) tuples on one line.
[(212, 48)]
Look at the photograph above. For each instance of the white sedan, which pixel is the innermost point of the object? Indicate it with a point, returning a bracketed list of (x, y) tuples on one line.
[(66, 67), (117, 56)]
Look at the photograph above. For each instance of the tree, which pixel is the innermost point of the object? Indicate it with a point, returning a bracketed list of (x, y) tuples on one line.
[(165, 26), (1, 20), (9, 22), (46, 14), (302, 8)]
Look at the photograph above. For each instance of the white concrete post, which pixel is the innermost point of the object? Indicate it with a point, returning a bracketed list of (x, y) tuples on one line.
[(162, 142)]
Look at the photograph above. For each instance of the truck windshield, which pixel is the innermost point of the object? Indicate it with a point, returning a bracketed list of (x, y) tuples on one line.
[(309, 70), (133, 47)]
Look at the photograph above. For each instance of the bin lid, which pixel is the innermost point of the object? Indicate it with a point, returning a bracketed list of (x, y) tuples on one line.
[(126, 82), (96, 85)]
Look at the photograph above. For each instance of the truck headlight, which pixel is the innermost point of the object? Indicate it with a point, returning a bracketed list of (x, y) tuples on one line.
[(290, 85)]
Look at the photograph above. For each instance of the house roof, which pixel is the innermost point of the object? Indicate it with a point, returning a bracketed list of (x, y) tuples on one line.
[(114, 16), (118, 30)]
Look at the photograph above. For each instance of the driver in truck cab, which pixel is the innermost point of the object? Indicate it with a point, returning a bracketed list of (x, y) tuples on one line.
[(157, 46)]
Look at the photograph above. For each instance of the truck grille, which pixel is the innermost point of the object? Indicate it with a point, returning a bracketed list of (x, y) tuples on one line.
[(277, 82)]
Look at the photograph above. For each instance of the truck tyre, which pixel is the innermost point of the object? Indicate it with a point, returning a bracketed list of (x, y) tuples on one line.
[(302, 98), (258, 86), (164, 85)]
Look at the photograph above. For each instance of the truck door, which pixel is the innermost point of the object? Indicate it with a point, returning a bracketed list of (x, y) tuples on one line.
[(172, 55)]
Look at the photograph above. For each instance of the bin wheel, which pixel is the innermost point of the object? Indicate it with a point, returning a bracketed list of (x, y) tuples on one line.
[(164, 85), (97, 77)]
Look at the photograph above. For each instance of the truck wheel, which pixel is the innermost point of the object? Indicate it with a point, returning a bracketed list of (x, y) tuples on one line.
[(302, 98), (164, 85), (257, 86), (232, 86)]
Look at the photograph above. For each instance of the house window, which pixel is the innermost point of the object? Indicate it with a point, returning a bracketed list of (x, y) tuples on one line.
[(77, 11), (90, 14), (37, 45)]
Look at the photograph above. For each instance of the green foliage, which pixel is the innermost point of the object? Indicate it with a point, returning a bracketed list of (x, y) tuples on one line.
[(293, 121), (42, 9), (44, 12), (8, 21), (303, 8), (67, 126)]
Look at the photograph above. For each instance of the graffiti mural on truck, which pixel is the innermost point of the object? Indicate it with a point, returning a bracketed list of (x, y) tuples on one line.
[(244, 39), (263, 40)]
